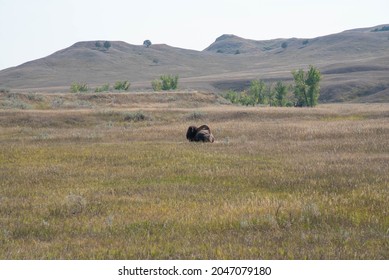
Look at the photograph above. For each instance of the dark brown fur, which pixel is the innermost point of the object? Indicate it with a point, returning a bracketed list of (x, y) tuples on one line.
[(202, 133)]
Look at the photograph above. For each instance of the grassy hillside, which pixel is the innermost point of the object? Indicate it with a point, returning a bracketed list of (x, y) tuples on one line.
[(354, 65), (111, 176), (85, 62)]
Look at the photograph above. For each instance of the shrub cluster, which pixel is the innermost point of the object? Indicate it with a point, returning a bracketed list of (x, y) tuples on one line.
[(165, 82), (106, 45), (83, 87)]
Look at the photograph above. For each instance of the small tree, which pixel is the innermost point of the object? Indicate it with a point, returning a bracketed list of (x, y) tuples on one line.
[(270, 93), (258, 91), (306, 88), (107, 45), (284, 45), (98, 44), (300, 88), (280, 94), (312, 81), (147, 43)]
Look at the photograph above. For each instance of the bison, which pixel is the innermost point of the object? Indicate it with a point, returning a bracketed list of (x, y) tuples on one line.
[(201, 133)]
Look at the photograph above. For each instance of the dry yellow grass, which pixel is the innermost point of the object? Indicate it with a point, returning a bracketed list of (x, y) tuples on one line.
[(279, 183)]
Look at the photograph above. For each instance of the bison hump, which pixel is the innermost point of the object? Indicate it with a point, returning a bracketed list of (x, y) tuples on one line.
[(204, 127)]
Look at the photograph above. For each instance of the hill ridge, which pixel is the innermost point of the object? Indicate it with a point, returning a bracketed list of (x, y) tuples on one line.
[(230, 43)]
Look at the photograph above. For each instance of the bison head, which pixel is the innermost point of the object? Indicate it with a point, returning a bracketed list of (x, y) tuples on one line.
[(191, 133)]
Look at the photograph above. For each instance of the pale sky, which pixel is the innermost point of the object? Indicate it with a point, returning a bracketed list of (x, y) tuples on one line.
[(31, 29)]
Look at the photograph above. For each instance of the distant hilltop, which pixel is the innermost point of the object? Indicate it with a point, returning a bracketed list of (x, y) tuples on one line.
[(232, 44)]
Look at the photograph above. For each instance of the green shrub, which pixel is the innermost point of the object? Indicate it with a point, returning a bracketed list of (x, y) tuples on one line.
[(232, 96), (79, 87), (157, 85), (103, 88), (165, 82), (122, 85), (169, 82), (247, 99)]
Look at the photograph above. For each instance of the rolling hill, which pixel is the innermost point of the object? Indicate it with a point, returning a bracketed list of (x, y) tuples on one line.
[(354, 64)]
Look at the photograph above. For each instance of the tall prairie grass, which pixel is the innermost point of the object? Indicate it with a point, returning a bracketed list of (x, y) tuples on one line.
[(279, 183)]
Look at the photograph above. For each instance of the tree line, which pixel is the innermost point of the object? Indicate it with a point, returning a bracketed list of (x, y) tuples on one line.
[(303, 93)]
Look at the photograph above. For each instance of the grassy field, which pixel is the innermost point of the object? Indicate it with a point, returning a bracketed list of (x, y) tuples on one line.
[(111, 176)]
